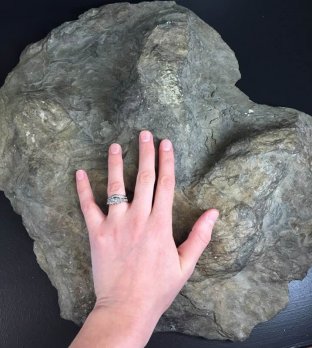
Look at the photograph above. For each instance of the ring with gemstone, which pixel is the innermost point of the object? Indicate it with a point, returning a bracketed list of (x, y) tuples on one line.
[(116, 199)]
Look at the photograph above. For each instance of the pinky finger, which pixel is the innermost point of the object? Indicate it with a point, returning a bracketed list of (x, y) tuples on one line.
[(92, 213)]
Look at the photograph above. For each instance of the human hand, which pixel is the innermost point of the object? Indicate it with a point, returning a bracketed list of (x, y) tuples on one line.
[(137, 268)]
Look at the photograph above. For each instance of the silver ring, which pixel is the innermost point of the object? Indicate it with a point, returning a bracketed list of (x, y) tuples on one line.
[(116, 199)]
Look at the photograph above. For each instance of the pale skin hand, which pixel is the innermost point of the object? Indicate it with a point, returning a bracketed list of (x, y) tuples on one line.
[(137, 268)]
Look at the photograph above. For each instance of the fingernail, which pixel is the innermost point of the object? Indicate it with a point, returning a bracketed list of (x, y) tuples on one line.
[(80, 174), (145, 136), (213, 215), (166, 145), (114, 149)]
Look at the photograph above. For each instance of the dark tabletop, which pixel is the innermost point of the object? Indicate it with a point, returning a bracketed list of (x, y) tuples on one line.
[(272, 40)]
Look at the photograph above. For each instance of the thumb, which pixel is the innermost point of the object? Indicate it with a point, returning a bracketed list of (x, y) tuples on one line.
[(198, 239)]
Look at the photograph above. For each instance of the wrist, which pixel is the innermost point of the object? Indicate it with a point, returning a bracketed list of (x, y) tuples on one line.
[(116, 327)]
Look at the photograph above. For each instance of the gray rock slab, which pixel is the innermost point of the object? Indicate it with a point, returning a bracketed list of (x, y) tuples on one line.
[(122, 68)]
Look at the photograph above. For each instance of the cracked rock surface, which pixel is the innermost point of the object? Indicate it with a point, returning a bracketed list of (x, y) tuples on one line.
[(122, 68)]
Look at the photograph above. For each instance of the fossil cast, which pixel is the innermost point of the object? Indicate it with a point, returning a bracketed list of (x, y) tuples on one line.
[(122, 68)]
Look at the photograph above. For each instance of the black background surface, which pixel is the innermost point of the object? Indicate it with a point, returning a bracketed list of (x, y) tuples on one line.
[(272, 42)]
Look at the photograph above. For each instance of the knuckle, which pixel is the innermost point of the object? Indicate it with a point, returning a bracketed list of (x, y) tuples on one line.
[(136, 223), (203, 237), (98, 239), (114, 159), (210, 224), (188, 270), (114, 186), (168, 159), (146, 177), (86, 206), (167, 182)]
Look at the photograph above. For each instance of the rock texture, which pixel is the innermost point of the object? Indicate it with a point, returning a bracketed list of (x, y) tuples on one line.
[(122, 68)]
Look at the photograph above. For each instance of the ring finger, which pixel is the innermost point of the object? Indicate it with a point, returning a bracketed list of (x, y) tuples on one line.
[(115, 183)]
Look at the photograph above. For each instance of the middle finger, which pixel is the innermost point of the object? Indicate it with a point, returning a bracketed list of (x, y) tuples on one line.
[(144, 187)]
